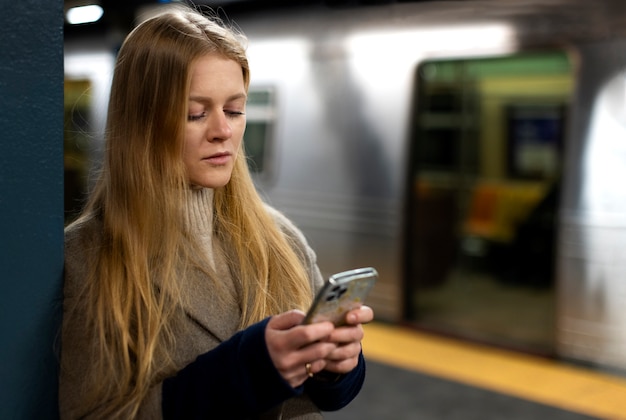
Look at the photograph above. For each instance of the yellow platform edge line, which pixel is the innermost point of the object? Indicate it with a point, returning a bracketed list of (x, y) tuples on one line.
[(528, 377)]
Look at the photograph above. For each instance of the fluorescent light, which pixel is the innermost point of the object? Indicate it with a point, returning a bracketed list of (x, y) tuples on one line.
[(84, 14), (460, 39)]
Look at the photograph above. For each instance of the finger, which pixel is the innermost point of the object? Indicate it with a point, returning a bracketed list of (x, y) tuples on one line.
[(286, 320), (347, 334), (293, 366), (305, 335), (362, 315), (319, 350), (299, 344), (342, 366), (314, 367), (347, 351), (299, 376)]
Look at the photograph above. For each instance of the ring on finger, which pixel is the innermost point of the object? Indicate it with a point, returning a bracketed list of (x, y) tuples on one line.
[(307, 366)]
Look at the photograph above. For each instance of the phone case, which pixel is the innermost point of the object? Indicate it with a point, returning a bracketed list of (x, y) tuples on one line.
[(341, 293)]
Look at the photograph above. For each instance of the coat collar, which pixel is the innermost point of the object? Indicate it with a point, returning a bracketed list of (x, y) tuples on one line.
[(211, 298)]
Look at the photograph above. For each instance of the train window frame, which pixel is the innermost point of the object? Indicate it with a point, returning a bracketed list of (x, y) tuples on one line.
[(259, 137)]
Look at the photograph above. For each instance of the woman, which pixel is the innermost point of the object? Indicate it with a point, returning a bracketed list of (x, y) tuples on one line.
[(184, 291)]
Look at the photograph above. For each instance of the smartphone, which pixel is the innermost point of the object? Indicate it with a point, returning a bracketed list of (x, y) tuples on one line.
[(341, 293)]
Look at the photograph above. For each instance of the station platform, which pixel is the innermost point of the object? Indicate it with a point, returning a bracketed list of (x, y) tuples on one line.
[(420, 376)]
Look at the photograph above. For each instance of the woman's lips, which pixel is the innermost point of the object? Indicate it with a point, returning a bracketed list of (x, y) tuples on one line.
[(218, 158)]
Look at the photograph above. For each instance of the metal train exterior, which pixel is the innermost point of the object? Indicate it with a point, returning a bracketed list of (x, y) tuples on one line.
[(333, 109)]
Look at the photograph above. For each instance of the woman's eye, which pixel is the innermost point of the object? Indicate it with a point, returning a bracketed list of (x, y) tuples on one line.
[(196, 117), (233, 114)]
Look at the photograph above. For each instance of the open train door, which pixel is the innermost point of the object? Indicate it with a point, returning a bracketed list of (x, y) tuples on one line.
[(486, 168)]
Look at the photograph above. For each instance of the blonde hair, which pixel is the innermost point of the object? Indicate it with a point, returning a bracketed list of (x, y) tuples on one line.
[(133, 291)]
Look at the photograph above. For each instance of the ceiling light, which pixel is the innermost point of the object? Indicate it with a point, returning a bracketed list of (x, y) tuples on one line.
[(84, 14)]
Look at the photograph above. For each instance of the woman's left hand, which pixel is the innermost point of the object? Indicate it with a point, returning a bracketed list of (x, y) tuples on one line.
[(348, 338)]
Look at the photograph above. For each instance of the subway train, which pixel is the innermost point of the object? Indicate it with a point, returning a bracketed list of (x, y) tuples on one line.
[(472, 151)]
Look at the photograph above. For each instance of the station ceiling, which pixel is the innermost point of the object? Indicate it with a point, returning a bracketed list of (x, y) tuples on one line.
[(121, 15), (599, 17)]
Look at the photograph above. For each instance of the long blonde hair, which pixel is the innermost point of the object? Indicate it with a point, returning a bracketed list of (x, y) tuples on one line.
[(133, 289)]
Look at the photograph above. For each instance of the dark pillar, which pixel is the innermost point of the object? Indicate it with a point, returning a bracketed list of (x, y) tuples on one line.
[(31, 205)]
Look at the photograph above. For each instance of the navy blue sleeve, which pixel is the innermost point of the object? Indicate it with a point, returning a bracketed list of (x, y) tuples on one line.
[(237, 379), (332, 396)]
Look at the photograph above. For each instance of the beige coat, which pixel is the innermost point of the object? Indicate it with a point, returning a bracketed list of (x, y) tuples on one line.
[(204, 322)]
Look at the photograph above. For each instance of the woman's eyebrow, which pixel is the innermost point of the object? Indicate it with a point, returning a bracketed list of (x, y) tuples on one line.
[(207, 99)]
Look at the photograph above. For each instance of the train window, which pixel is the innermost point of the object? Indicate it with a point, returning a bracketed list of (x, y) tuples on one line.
[(487, 144), (260, 114)]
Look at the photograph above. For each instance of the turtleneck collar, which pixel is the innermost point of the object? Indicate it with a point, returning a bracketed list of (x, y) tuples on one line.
[(199, 219), (199, 210)]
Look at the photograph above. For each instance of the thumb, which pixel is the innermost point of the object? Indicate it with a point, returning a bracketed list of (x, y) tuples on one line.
[(286, 320)]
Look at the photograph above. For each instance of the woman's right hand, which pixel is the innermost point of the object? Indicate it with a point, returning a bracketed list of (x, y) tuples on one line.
[(292, 345)]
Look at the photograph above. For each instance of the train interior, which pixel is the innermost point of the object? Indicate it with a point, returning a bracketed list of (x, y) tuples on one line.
[(487, 151)]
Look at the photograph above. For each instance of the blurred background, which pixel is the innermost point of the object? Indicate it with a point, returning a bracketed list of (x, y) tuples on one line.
[(472, 151)]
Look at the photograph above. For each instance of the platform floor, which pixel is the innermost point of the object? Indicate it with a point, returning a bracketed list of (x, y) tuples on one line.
[(413, 375)]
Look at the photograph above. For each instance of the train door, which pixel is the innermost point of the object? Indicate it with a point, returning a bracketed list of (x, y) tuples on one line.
[(486, 161)]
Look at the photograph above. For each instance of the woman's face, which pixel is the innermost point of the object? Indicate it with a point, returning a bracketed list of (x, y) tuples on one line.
[(216, 120)]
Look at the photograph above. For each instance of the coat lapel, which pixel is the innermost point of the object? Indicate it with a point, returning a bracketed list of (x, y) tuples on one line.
[(216, 311)]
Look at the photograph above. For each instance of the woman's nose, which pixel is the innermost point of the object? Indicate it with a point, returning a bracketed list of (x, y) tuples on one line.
[(219, 127)]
